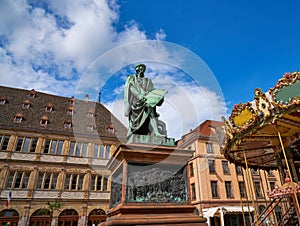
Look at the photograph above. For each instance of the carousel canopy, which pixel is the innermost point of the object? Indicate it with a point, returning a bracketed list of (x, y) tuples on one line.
[(254, 129)]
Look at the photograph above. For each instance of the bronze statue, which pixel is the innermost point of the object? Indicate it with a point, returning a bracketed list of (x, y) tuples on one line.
[(141, 100)]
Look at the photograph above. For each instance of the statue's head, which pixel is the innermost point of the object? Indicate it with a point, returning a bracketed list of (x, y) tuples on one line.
[(140, 68)]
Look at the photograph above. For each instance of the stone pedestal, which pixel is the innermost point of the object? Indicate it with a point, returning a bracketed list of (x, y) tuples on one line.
[(149, 187)]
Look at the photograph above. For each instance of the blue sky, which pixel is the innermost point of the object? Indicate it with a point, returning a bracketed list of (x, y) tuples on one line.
[(247, 44), (55, 46)]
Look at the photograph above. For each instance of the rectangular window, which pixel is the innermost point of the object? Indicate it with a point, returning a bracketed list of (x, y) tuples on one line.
[(74, 182), (46, 146), (67, 182), (96, 150), (193, 190), (209, 148), (101, 150), (257, 189), (225, 167), (40, 181), (272, 185), (191, 166), (27, 144), (238, 170), (4, 142), (79, 181), (10, 179), (84, 150), (99, 183), (53, 147), (47, 180), (93, 183), (270, 173), (211, 166), (254, 171), (78, 149), (107, 151), (242, 188), (18, 179), (214, 189), (72, 148), (19, 144), (105, 183), (60, 147), (228, 188), (33, 144)]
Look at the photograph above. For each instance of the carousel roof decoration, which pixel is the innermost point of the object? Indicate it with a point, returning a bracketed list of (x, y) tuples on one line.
[(252, 129), (286, 190)]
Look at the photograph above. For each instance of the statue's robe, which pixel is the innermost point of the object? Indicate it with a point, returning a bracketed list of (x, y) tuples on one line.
[(135, 106)]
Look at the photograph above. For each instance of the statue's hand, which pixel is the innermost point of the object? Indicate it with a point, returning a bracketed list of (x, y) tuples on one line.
[(141, 98)]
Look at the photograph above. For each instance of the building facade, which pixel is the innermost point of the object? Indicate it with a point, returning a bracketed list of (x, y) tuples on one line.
[(221, 191), (53, 156)]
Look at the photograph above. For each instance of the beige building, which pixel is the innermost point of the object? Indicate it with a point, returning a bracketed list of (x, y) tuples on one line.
[(53, 156), (220, 190)]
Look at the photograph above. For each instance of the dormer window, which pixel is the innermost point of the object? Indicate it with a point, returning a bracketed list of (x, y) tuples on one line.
[(68, 124), (18, 118), (70, 111), (72, 101), (44, 120), (3, 100), (49, 107), (26, 104), (90, 127), (90, 113), (32, 93), (111, 129)]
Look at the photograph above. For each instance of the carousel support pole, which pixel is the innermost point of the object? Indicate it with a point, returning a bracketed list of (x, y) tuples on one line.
[(250, 181), (241, 200), (249, 190), (280, 168), (295, 198)]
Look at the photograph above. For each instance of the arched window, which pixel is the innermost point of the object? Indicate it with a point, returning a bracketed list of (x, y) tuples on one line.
[(40, 217), (96, 216), (9, 217), (68, 217)]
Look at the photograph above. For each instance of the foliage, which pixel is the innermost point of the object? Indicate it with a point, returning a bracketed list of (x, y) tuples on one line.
[(51, 207)]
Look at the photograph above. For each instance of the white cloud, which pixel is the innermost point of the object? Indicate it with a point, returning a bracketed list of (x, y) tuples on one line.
[(60, 40), (50, 48)]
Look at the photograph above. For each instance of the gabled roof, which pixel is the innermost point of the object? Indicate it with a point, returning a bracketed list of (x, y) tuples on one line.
[(206, 130)]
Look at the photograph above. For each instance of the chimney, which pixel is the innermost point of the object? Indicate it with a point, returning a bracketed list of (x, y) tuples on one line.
[(86, 97)]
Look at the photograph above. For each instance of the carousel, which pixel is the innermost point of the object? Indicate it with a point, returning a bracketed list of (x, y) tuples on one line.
[(265, 134)]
